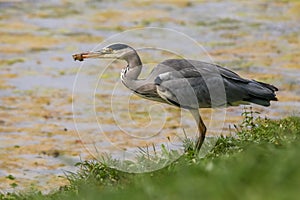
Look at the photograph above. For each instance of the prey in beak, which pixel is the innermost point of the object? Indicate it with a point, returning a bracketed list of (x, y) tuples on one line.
[(106, 52), (79, 56), (85, 55)]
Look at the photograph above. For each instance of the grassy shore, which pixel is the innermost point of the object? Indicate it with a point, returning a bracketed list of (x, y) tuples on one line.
[(261, 161)]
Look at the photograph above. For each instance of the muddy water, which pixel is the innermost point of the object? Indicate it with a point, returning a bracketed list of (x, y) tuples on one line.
[(38, 137)]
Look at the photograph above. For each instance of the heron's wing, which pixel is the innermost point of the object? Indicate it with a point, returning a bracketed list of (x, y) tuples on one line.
[(226, 73), (187, 87), (187, 82), (205, 69)]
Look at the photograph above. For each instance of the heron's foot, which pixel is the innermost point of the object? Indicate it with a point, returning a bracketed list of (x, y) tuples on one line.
[(199, 143)]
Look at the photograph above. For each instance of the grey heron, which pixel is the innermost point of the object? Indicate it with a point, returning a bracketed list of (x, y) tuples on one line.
[(176, 81)]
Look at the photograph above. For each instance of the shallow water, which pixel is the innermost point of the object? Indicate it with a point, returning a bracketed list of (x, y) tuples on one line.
[(39, 80)]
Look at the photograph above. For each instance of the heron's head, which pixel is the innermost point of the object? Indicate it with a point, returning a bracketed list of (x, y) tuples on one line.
[(113, 51)]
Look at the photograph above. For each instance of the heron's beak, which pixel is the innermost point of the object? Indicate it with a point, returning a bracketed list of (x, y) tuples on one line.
[(85, 55)]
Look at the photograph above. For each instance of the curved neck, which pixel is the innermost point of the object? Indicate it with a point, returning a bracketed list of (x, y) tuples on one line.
[(134, 65), (130, 74)]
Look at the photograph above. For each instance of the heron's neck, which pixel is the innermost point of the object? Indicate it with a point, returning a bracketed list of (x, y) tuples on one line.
[(131, 73), (134, 66)]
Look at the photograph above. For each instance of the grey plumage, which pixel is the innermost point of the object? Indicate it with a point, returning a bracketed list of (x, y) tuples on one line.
[(175, 74), (189, 84)]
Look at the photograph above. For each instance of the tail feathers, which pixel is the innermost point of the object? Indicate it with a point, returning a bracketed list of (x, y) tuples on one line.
[(261, 93), (269, 86)]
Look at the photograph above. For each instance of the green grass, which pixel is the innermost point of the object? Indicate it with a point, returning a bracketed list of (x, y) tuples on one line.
[(260, 162)]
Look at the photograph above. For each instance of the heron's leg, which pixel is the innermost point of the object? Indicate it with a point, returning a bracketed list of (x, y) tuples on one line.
[(201, 128)]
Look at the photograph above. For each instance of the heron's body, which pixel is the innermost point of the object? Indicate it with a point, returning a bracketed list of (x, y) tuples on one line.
[(171, 73), (189, 84)]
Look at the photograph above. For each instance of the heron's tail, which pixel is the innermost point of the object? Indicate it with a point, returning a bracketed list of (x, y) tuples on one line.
[(261, 93)]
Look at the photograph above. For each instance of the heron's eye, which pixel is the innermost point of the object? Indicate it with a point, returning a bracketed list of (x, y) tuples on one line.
[(107, 50)]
